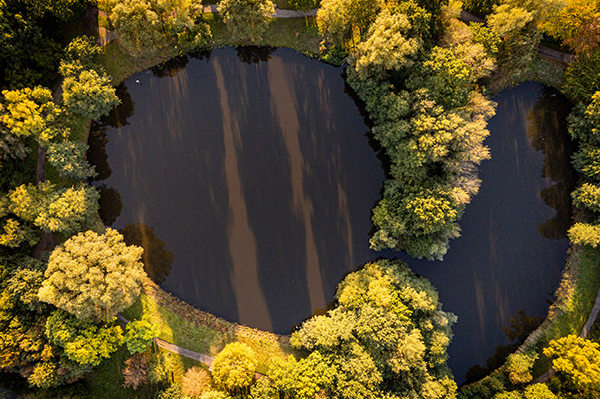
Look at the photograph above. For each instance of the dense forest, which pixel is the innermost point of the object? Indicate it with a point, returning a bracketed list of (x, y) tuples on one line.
[(425, 77)]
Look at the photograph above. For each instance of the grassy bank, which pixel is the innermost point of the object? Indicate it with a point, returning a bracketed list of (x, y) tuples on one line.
[(299, 34), (568, 314)]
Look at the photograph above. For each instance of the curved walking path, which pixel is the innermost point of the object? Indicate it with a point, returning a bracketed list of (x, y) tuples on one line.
[(202, 358)]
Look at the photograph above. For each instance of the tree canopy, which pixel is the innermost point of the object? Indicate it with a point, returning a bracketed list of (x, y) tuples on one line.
[(93, 276), (246, 19), (387, 336)]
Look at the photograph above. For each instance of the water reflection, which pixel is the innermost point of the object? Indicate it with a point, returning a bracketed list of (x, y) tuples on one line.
[(110, 203), (96, 154), (517, 331), (254, 54), (547, 132), (171, 67), (157, 260), (119, 116)]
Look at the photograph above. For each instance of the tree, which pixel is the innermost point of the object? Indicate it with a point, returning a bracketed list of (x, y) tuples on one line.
[(585, 234), (143, 24), (582, 77), (195, 381), (538, 391), (55, 210), (140, 334), (83, 341), (234, 367), (246, 19), (460, 39), (31, 113), (68, 157), (577, 25), (518, 366), (88, 94), (587, 161), (136, 24), (82, 53), (388, 46), (345, 22), (447, 79), (304, 5), (387, 336), (577, 358), (93, 276), (135, 372), (587, 196)]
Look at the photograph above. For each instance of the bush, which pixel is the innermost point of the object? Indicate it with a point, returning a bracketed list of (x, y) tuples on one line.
[(195, 381)]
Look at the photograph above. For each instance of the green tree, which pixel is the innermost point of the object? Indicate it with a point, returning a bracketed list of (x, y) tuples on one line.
[(55, 210), (518, 366), (93, 276), (447, 79), (587, 161), (139, 334), (234, 367), (538, 391), (582, 77), (388, 46), (82, 53), (345, 22), (89, 94), (83, 341), (137, 25), (304, 5), (577, 358), (584, 120), (246, 19), (387, 336), (68, 157), (577, 25)]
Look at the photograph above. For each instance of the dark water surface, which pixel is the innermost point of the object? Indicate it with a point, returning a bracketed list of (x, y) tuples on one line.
[(251, 186)]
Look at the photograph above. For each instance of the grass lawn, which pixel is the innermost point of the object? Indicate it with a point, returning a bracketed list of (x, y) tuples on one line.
[(190, 328)]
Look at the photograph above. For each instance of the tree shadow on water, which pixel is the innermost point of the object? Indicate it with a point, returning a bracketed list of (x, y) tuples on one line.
[(519, 329), (255, 54), (547, 132), (170, 68), (110, 203), (157, 260)]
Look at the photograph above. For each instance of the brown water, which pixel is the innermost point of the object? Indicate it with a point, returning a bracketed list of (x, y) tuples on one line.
[(251, 184)]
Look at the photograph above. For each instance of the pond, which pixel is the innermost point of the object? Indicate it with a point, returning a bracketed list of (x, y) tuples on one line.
[(249, 176)]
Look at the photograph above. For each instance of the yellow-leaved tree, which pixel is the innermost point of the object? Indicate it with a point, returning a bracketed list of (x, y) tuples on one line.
[(93, 276)]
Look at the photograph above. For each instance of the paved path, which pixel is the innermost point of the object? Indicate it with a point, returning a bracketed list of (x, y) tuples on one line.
[(205, 359)]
